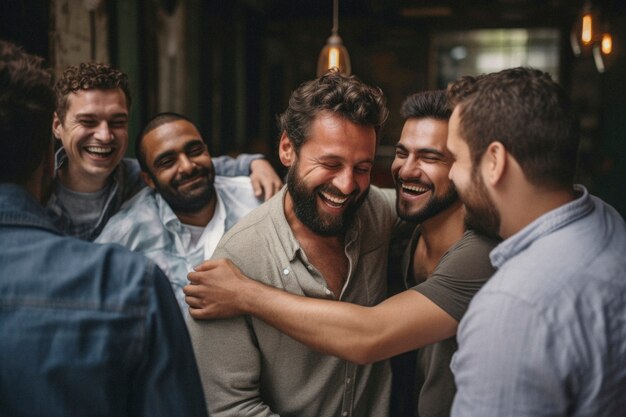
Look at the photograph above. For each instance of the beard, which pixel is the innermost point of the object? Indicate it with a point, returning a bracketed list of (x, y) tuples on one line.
[(435, 205), (306, 210), (193, 200), (480, 212)]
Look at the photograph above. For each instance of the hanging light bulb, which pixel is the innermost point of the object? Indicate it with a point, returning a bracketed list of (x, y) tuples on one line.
[(589, 25), (607, 43), (334, 54)]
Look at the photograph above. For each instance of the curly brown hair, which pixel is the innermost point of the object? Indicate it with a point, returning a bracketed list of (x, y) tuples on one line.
[(88, 76), (344, 95)]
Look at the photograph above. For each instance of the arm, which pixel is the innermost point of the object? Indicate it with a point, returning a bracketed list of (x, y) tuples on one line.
[(167, 382), (356, 333), (265, 182), (230, 367)]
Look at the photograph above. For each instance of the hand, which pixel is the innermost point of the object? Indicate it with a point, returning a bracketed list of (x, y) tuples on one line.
[(265, 182), (216, 288)]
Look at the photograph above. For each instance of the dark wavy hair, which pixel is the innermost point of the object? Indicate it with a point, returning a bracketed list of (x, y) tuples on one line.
[(336, 93), (529, 113), (26, 109), (426, 104), (88, 76)]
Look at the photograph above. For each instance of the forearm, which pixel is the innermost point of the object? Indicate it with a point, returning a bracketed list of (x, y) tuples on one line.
[(342, 329)]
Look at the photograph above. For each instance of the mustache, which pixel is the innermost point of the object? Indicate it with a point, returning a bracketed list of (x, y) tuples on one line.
[(197, 172)]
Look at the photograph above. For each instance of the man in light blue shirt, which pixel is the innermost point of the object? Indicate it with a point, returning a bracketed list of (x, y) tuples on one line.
[(546, 336), (182, 214)]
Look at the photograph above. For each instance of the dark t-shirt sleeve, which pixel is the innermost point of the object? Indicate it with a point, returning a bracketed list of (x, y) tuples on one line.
[(461, 272)]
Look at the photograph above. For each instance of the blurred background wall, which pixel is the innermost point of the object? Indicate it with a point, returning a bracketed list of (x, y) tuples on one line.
[(231, 64)]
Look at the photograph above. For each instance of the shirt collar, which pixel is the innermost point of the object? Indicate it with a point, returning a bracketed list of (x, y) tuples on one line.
[(543, 226)]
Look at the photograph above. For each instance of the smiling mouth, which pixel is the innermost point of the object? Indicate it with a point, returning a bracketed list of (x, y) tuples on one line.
[(99, 151), (414, 189), (333, 201)]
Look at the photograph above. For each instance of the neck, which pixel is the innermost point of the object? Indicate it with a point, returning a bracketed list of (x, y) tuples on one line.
[(532, 203), (440, 232), (79, 182), (201, 217)]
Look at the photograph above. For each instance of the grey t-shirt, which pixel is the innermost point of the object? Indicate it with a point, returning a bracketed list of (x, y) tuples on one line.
[(460, 273)]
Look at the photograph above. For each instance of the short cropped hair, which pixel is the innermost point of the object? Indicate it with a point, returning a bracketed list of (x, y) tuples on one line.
[(529, 113), (426, 104), (336, 93), (156, 121), (88, 76), (26, 109)]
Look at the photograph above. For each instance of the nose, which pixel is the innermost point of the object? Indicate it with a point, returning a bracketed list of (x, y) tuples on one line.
[(103, 133), (185, 165), (345, 181), (410, 168)]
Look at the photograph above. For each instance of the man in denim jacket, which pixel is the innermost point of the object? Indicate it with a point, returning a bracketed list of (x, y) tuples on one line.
[(86, 329)]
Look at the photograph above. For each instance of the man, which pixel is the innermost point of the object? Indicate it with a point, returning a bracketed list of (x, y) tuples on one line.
[(185, 210), (445, 263), (316, 238), (86, 329), (92, 178), (546, 336)]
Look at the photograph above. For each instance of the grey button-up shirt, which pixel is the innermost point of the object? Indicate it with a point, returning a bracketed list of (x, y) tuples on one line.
[(249, 368)]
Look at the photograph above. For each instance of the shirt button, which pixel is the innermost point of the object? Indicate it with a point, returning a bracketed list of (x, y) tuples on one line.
[(345, 413), (327, 290), (348, 381), (285, 271), (309, 267)]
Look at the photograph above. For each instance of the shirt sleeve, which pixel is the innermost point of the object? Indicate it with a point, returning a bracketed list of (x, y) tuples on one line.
[(167, 382), (227, 166), (229, 361), (461, 272), (506, 364)]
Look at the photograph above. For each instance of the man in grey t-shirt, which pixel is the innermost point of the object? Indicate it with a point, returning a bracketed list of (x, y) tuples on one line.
[(446, 264)]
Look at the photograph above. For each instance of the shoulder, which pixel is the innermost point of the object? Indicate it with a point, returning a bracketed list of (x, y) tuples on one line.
[(378, 211), (236, 190), (138, 213), (471, 253)]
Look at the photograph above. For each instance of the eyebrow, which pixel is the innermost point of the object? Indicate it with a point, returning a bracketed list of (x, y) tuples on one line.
[(188, 145), (422, 150), (115, 116)]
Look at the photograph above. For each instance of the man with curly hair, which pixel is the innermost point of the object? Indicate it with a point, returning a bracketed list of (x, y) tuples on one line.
[(92, 177), (86, 329)]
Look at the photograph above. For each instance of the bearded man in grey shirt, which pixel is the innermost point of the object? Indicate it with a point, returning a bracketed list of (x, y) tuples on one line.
[(317, 237)]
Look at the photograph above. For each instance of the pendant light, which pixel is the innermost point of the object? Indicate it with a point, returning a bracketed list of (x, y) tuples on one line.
[(334, 54)]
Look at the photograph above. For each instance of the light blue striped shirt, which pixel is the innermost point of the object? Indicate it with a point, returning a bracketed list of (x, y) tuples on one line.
[(147, 224), (546, 336)]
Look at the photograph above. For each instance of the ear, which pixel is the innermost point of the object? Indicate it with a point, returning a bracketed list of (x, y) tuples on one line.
[(286, 151), (494, 162), (147, 179), (57, 126)]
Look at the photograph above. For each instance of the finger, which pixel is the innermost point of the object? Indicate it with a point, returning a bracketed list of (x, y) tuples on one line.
[(257, 186), (193, 302)]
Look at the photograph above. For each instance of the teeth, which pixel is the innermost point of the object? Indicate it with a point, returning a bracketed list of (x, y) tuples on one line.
[(99, 150), (414, 188), (335, 200)]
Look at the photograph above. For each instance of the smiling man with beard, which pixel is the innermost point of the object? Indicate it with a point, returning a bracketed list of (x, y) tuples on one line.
[(444, 265), (185, 210), (324, 236)]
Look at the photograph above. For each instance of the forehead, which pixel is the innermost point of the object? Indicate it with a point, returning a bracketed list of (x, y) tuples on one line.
[(85, 100), (424, 133), (172, 135), (333, 135)]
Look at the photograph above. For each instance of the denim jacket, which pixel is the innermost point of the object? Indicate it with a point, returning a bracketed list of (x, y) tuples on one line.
[(86, 329)]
